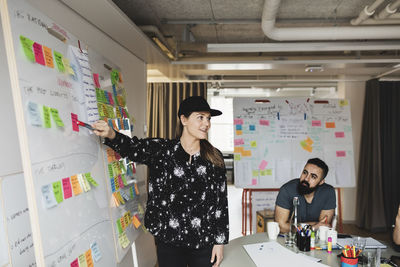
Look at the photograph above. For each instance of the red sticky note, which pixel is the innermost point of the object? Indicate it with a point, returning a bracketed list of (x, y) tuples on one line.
[(75, 126), (39, 57), (264, 122), (253, 181), (339, 134), (110, 97), (75, 263), (340, 154), (238, 121), (330, 125), (121, 183), (316, 123), (96, 80), (239, 142), (66, 183), (263, 164)]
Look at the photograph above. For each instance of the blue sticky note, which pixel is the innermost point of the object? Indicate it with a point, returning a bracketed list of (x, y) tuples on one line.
[(110, 123), (126, 124), (34, 114), (238, 127), (252, 127), (114, 90), (112, 185)]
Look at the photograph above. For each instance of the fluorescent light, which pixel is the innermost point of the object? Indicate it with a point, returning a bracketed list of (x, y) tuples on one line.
[(239, 66)]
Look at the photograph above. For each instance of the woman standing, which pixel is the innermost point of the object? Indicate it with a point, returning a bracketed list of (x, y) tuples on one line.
[(187, 207)]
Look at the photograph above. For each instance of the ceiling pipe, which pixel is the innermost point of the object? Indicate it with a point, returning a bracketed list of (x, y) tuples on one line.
[(270, 11), (390, 9), (367, 12)]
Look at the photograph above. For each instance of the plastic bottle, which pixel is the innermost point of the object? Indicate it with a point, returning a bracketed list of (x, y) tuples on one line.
[(312, 240), (329, 245)]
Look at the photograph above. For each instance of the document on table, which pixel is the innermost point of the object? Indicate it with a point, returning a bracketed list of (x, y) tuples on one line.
[(274, 254), (371, 243)]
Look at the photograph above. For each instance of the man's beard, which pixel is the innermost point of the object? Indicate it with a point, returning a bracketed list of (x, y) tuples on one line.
[(305, 189)]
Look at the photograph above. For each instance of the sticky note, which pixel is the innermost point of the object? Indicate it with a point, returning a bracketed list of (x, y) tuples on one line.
[(123, 178), (339, 134), (127, 219), (238, 127), (96, 80), (89, 259), (56, 117), (76, 187), (237, 121), (124, 195), (255, 173), (264, 122), (263, 172), (111, 99), (316, 123), (67, 66), (303, 143), (116, 183), (343, 102), (114, 76), (236, 157), (90, 179), (57, 190), (82, 260), (263, 164), (112, 185), (340, 154), (84, 183), (120, 77), (39, 57), (123, 240), (75, 263), (253, 143), (46, 117), (48, 56), (239, 142), (27, 44), (49, 200), (67, 189), (119, 226), (59, 61), (110, 155), (96, 253), (330, 125), (110, 170), (136, 189), (253, 181), (34, 114), (239, 132), (252, 127), (135, 220), (115, 199), (246, 153), (269, 171), (308, 148), (74, 119), (309, 141)]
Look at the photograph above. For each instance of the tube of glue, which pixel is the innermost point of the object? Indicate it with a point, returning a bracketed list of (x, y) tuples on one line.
[(329, 250)]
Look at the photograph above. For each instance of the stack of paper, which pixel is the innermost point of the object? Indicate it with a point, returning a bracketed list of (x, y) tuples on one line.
[(371, 243)]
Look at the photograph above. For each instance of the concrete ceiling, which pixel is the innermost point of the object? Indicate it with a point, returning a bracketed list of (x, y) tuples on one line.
[(187, 26)]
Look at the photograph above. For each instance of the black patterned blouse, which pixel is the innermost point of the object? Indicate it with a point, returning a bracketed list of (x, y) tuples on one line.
[(187, 203)]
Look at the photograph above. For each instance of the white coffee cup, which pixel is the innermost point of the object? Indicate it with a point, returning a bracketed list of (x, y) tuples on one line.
[(273, 230), (323, 230)]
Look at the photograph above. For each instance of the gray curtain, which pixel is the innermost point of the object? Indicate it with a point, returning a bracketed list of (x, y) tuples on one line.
[(378, 175)]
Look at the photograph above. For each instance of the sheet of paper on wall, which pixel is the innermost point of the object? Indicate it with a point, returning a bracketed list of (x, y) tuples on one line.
[(96, 253), (371, 243), (49, 200), (34, 114)]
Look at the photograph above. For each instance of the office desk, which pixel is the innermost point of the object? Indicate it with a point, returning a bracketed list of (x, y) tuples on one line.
[(236, 256)]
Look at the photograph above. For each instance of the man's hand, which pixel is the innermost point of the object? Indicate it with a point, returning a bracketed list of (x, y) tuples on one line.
[(102, 129), (217, 255)]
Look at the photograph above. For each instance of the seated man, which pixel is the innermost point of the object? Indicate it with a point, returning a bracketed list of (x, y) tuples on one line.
[(396, 232), (317, 200)]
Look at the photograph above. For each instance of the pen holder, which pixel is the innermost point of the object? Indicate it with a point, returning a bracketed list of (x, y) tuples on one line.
[(348, 262), (303, 242)]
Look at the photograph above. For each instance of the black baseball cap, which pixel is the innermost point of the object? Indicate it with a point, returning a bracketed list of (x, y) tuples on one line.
[(196, 103)]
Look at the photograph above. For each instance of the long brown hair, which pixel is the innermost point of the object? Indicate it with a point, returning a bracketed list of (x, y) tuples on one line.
[(207, 150)]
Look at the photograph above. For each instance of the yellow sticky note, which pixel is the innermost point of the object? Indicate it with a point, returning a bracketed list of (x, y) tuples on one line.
[(343, 102), (236, 157), (269, 171), (48, 56), (253, 143), (123, 240), (82, 260), (67, 66), (136, 222), (127, 219), (56, 117), (255, 173), (263, 172), (89, 259), (76, 187), (246, 153), (239, 132)]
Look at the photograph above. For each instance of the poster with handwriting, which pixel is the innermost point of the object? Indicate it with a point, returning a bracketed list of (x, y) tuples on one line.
[(274, 138)]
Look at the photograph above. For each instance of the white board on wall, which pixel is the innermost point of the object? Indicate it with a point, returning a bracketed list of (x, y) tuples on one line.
[(274, 138)]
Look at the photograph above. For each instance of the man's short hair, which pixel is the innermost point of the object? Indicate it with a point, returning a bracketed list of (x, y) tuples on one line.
[(321, 164)]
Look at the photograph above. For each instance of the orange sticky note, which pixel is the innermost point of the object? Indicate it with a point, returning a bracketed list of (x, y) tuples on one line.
[(246, 153), (48, 56), (76, 187), (89, 259), (136, 189), (136, 221), (309, 141), (308, 148), (238, 149), (330, 125), (239, 132)]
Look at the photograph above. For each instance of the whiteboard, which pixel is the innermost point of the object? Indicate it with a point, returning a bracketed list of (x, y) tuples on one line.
[(274, 138)]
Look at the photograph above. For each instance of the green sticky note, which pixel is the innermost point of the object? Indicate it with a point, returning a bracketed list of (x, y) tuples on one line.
[(56, 117), (122, 166), (114, 76), (119, 226), (123, 179), (100, 108), (90, 179), (46, 116), (269, 171), (110, 110), (253, 143), (27, 46), (110, 170), (59, 61), (236, 157), (58, 191), (82, 260), (263, 172), (255, 173)]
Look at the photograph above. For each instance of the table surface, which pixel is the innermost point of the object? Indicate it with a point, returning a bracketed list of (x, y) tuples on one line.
[(236, 256)]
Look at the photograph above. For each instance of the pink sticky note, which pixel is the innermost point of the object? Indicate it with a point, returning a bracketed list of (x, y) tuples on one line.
[(262, 165), (238, 121), (96, 80), (264, 122), (110, 98), (75, 263), (239, 142), (39, 57), (339, 134), (316, 123), (254, 182), (121, 183), (66, 183), (340, 153), (75, 126)]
